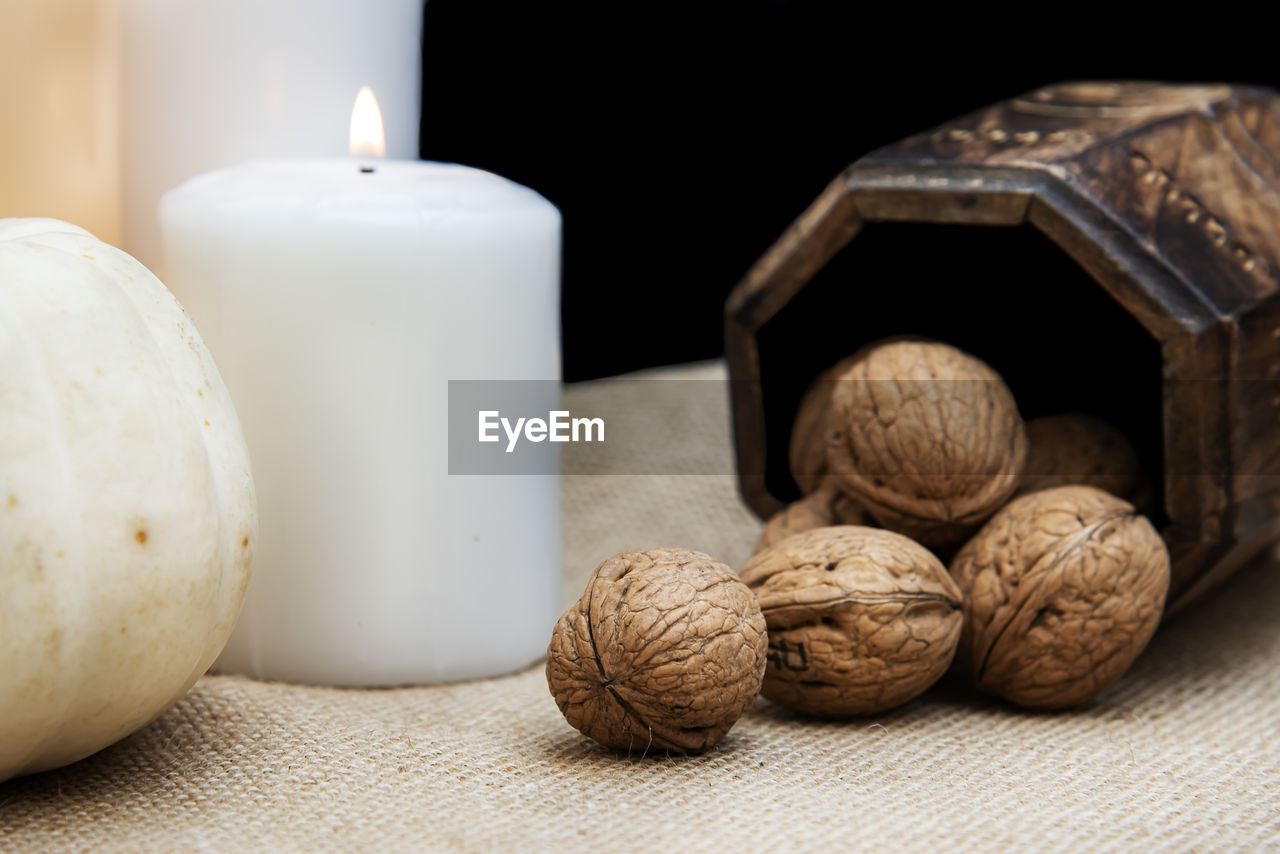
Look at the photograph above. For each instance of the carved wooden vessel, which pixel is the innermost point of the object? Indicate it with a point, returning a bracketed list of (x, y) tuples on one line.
[(1135, 274)]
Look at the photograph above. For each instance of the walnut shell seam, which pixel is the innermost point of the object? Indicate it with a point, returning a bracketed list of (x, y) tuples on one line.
[(608, 683), (1033, 582)]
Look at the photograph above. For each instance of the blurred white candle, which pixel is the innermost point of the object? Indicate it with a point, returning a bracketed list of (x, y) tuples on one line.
[(338, 305), (212, 83), (60, 143)]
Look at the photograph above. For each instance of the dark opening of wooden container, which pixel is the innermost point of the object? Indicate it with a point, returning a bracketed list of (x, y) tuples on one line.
[(1107, 248), (1006, 295)]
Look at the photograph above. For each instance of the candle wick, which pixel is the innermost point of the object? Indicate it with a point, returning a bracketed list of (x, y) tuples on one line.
[(367, 170)]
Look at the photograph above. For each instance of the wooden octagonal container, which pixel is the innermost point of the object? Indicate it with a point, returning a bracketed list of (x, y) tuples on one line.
[(1111, 248)]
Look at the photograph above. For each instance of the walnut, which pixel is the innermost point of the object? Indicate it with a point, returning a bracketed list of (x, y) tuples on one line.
[(1063, 589), (666, 649), (807, 454), (825, 507), (860, 619), (1083, 449), (927, 438)]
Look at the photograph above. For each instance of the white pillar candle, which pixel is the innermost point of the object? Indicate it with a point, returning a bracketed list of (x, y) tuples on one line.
[(338, 305), (212, 83)]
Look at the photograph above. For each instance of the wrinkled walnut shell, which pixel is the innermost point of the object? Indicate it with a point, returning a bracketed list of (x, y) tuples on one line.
[(1063, 588), (823, 508), (1085, 450), (807, 454), (927, 438), (860, 619), (665, 650)]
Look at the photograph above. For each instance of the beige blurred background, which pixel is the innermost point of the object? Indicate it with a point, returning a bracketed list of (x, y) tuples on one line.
[(59, 107)]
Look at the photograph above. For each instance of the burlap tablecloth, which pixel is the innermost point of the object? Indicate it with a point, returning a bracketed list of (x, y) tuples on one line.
[(1183, 754)]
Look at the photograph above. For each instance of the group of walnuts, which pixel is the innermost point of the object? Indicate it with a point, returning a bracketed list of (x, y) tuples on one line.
[(909, 452)]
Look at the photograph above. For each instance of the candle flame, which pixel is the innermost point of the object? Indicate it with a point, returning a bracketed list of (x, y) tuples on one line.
[(367, 137)]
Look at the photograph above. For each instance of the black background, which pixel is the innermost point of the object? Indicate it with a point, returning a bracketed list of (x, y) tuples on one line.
[(679, 140)]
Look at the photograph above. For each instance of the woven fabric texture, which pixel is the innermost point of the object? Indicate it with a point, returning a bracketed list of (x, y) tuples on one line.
[(1183, 754)]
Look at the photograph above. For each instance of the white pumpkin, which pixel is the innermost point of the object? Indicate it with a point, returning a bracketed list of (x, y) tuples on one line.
[(127, 510)]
